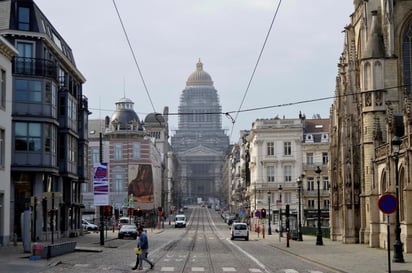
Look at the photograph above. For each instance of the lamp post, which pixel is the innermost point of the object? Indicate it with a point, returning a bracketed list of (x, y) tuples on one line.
[(397, 246), (269, 219), (299, 182), (280, 211), (319, 240)]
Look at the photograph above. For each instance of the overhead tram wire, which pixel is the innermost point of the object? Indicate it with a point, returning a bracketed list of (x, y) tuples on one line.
[(254, 69), (227, 114), (134, 56)]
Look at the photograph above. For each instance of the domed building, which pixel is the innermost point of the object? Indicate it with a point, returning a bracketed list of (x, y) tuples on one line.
[(135, 160), (200, 143)]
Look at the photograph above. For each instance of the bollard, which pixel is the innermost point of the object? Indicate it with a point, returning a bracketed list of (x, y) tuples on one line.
[(287, 238), (113, 227), (263, 232)]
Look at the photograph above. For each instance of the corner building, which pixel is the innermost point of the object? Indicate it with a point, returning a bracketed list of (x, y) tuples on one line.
[(200, 143), (49, 125), (372, 106)]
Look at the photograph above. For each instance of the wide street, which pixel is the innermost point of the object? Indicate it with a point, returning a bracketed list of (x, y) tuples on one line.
[(205, 246)]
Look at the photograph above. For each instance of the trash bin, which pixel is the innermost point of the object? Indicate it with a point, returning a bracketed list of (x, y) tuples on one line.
[(37, 249)]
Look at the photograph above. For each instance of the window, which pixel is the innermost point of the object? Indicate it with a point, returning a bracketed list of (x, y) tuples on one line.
[(288, 173), (325, 158), (28, 136), (95, 156), (311, 203), (407, 57), (287, 148), (136, 151), (309, 159), (25, 64), (325, 183), (2, 148), (23, 18), (118, 183), (270, 148), (270, 171), (3, 89), (118, 151), (311, 184), (326, 203), (287, 197), (28, 90)]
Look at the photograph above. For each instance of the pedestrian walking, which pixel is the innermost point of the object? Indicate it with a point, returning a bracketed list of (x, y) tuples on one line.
[(144, 245), (138, 252)]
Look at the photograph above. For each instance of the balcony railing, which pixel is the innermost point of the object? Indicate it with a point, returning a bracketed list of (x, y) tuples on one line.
[(35, 67)]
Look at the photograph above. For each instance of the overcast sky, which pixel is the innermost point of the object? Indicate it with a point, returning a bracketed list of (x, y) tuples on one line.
[(299, 61)]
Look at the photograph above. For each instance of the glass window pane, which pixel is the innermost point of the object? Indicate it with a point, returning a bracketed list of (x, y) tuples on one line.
[(20, 129), (35, 129)]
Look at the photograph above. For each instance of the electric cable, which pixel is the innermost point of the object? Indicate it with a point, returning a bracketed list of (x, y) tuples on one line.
[(134, 56), (254, 69)]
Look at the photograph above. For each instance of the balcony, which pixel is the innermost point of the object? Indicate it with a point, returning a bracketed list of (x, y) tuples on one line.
[(35, 67)]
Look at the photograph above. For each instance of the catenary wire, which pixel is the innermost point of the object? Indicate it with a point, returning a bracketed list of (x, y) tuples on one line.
[(254, 69), (134, 56), (228, 113)]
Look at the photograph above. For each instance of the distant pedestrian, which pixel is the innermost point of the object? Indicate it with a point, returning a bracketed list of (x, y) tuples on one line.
[(144, 244)]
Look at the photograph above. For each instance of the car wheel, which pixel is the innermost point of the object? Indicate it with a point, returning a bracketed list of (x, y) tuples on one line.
[(247, 238)]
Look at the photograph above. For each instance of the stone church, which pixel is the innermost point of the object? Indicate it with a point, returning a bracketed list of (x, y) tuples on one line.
[(371, 111), (200, 143)]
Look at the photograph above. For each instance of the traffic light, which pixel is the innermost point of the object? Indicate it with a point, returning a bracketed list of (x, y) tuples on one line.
[(263, 213), (139, 212), (287, 210)]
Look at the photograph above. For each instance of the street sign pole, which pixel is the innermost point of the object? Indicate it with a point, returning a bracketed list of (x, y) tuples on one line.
[(388, 204)]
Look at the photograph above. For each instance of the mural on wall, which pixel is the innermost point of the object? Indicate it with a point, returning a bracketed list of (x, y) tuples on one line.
[(141, 183)]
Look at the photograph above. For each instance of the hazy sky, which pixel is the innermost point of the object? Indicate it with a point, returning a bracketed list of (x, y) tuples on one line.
[(299, 61)]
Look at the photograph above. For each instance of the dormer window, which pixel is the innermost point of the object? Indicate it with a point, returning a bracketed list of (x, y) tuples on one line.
[(23, 19)]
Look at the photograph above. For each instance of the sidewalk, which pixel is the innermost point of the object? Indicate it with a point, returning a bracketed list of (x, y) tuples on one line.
[(348, 258)]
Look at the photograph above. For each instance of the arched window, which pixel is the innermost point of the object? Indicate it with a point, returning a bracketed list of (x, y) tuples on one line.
[(407, 56)]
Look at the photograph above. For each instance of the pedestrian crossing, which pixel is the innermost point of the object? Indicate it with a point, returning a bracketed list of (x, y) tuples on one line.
[(233, 269)]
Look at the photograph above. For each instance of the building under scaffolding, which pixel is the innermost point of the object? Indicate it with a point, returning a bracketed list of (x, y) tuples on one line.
[(200, 142)]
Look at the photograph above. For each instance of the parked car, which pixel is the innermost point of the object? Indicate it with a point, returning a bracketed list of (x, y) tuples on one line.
[(239, 230), (128, 231), (180, 220), (89, 226)]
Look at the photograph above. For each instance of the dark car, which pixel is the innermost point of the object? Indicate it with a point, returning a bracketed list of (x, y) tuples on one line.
[(128, 231)]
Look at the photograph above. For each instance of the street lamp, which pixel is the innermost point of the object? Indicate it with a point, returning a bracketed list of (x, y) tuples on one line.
[(319, 240), (280, 211), (299, 182), (397, 254), (269, 219)]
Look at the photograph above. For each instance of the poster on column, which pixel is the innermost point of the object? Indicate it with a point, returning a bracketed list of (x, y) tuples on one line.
[(101, 184)]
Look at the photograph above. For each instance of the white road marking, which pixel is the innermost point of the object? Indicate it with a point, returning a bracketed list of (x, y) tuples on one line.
[(228, 269), (167, 268), (198, 269)]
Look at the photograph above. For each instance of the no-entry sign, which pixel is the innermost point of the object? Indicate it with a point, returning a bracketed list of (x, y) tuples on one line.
[(388, 203)]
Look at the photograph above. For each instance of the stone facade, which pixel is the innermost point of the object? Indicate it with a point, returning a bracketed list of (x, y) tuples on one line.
[(372, 105)]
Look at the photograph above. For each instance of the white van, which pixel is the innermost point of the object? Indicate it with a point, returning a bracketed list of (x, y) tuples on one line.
[(123, 221), (180, 220)]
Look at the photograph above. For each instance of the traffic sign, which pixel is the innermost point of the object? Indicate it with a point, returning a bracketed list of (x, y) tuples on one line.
[(388, 203), (257, 213)]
